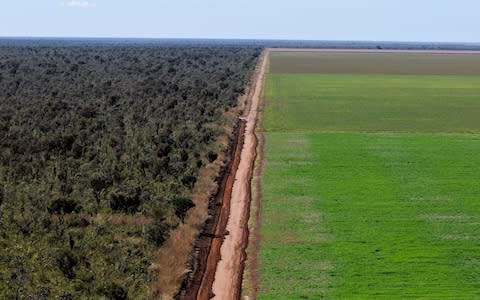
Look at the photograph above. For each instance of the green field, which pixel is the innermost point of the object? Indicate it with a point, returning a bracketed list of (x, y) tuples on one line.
[(371, 187), (343, 102), (375, 63)]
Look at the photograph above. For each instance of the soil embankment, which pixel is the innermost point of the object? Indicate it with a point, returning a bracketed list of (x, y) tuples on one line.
[(229, 273), (207, 248), (220, 249)]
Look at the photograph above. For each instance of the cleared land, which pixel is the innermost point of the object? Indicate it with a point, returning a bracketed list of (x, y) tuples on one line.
[(228, 276), (371, 183), (345, 102), (375, 62)]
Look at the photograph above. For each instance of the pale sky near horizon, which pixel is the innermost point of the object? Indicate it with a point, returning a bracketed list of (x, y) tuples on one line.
[(376, 20)]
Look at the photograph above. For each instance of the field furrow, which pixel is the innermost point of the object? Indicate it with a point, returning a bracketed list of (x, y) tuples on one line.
[(370, 183)]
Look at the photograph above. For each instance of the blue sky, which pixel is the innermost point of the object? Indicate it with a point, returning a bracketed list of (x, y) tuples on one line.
[(381, 20)]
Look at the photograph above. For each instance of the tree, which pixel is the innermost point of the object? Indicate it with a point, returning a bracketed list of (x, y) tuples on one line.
[(66, 262), (182, 206), (125, 199), (64, 206), (99, 182)]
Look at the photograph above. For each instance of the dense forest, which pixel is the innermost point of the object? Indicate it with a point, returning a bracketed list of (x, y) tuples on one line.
[(100, 146)]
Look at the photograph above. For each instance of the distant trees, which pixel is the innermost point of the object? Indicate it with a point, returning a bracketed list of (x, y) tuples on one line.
[(99, 150)]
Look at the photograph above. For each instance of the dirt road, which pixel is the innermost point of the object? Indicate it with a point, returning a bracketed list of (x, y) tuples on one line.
[(228, 276), (207, 247), (220, 249)]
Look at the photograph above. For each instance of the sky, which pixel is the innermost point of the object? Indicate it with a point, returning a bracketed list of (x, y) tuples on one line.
[(372, 20)]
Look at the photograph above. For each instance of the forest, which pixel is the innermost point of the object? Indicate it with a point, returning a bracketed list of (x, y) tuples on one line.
[(100, 147)]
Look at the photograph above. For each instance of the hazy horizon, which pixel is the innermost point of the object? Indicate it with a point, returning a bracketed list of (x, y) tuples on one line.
[(231, 38), (443, 21)]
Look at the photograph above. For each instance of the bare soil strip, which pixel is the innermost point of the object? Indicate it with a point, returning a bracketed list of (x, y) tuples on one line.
[(207, 248), (220, 249), (229, 273)]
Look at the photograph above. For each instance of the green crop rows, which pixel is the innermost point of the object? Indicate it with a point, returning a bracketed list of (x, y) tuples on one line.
[(371, 187), (398, 103)]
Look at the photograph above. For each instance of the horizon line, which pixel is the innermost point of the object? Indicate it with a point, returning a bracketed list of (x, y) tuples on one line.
[(236, 39)]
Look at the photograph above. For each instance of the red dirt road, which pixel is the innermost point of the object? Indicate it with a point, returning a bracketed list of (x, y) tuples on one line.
[(229, 273), (220, 249), (199, 285)]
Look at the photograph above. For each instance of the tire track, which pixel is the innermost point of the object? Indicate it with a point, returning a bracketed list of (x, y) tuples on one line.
[(220, 249), (229, 273)]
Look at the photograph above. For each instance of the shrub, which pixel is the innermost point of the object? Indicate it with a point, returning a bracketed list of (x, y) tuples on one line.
[(100, 182), (182, 206), (114, 291), (66, 262), (212, 156), (125, 199), (158, 232)]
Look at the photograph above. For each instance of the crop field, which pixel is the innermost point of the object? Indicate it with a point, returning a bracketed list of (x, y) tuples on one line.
[(375, 63), (344, 102), (371, 182)]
